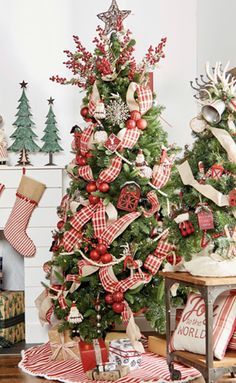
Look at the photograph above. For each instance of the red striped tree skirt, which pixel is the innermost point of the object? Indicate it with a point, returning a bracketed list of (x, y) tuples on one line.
[(36, 361)]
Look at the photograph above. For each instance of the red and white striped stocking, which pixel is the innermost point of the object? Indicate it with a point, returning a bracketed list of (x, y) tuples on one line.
[(15, 229)]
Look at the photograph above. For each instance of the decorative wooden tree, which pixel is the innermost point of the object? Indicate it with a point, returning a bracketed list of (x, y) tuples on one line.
[(24, 135), (51, 138)]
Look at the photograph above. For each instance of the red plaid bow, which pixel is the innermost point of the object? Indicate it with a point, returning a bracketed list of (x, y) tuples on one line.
[(161, 173), (84, 139), (130, 138), (155, 205)]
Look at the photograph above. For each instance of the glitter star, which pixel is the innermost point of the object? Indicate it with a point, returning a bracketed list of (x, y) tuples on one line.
[(113, 17), (51, 100), (23, 84)]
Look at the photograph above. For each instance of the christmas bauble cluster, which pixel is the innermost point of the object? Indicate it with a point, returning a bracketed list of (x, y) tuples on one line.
[(100, 254), (135, 121), (94, 186), (116, 301), (85, 114)]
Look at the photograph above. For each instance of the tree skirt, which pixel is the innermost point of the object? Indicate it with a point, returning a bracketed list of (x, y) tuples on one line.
[(36, 361)]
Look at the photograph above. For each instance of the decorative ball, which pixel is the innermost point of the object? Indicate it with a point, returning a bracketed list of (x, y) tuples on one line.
[(99, 324), (91, 187), (100, 136), (93, 199), (135, 115), (109, 299), (94, 255), (118, 296), (130, 124), (80, 160), (118, 307), (174, 260), (103, 187), (141, 124), (99, 317), (60, 225), (101, 248), (84, 111), (106, 258), (98, 331)]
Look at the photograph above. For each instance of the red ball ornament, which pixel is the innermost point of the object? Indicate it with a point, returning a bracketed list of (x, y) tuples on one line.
[(174, 260), (94, 255), (93, 199), (80, 160), (89, 119), (103, 187), (118, 307), (130, 124), (118, 296), (141, 124), (91, 187), (135, 115), (106, 258), (84, 111), (101, 248), (60, 225), (108, 299)]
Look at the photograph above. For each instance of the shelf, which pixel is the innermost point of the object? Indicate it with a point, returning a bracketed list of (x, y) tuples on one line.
[(229, 359), (203, 281)]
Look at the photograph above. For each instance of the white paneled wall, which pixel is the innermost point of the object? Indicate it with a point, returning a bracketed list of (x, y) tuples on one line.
[(42, 222)]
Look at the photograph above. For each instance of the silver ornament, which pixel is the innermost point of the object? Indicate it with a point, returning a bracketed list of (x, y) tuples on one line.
[(117, 112), (99, 317), (99, 324)]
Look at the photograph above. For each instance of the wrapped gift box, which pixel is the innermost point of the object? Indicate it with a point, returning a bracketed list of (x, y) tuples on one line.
[(114, 336), (93, 354), (122, 353), (12, 307), (117, 373), (62, 346)]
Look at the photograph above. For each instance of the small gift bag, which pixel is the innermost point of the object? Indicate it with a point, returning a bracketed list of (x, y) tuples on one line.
[(122, 353), (62, 346)]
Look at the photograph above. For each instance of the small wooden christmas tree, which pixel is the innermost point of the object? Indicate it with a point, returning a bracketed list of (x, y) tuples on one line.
[(51, 137), (24, 135)]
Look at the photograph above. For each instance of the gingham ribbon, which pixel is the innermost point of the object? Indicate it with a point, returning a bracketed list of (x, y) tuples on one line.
[(163, 249), (94, 99), (152, 264), (145, 98), (99, 221), (62, 302), (84, 139), (110, 174), (70, 238), (114, 230), (130, 138), (161, 173), (85, 172), (83, 216), (72, 278), (155, 205)]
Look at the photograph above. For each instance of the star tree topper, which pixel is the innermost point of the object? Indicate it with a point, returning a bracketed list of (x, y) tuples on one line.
[(113, 17)]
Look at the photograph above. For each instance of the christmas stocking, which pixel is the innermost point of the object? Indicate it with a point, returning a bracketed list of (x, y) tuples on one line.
[(28, 195)]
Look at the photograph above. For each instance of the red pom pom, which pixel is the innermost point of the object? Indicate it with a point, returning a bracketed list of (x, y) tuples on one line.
[(103, 187), (135, 115), (60, 225), (106, 258), (101, 248), (84, 111), (130, 124), (118, 296), (93, 199), (118, 307), (108, 299), (80, 160), (91, 187), (141, 124), (94, 255)]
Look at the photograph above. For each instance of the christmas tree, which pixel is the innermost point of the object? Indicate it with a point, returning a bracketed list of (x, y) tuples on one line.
[(23, 135), (203, 202), (50, 137), (110, 242)]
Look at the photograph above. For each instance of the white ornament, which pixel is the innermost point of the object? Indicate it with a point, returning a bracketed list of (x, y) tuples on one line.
[(146, 172), (198, 125), (100, 111), (74, 316), (100, 136), (231, 125), (121, 133)]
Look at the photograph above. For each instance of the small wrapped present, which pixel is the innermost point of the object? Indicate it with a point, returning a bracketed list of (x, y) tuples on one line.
[(62, 346), (112, 375), (122, 353), (157, 345), (12, 328), (114, 336), (93, 354)]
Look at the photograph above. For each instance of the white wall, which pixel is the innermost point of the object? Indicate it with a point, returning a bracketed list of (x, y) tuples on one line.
[(33, 35)]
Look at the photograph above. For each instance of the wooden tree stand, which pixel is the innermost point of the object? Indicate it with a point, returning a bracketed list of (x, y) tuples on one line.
[(210, 288)]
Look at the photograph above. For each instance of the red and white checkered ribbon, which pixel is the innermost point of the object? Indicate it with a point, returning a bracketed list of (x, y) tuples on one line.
[(163, 249), (161, 173), (85, 172), (145, 98), (94, 99), (110, 174), (84, 139), (155, 205), (62, 302), (152, 264), (130, 138), (99, 221)]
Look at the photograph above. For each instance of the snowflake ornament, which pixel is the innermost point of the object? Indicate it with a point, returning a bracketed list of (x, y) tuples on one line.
[(117, 112)]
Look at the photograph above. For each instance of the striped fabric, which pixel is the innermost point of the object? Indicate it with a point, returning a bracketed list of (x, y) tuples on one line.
[(15, 229), (161, 174), (3, 153), (70, 238), (232, 343), (99, 221), (145, 98), (163, 249), (85, 172), (62, 302), (130, 138), (36, 361), (2, 187), (109, 174)]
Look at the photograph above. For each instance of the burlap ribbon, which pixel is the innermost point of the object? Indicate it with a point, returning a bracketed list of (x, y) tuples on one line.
[(207, 190), (65, 348)]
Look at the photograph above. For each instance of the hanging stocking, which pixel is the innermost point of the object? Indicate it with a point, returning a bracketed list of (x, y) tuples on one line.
[(28, 195)]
